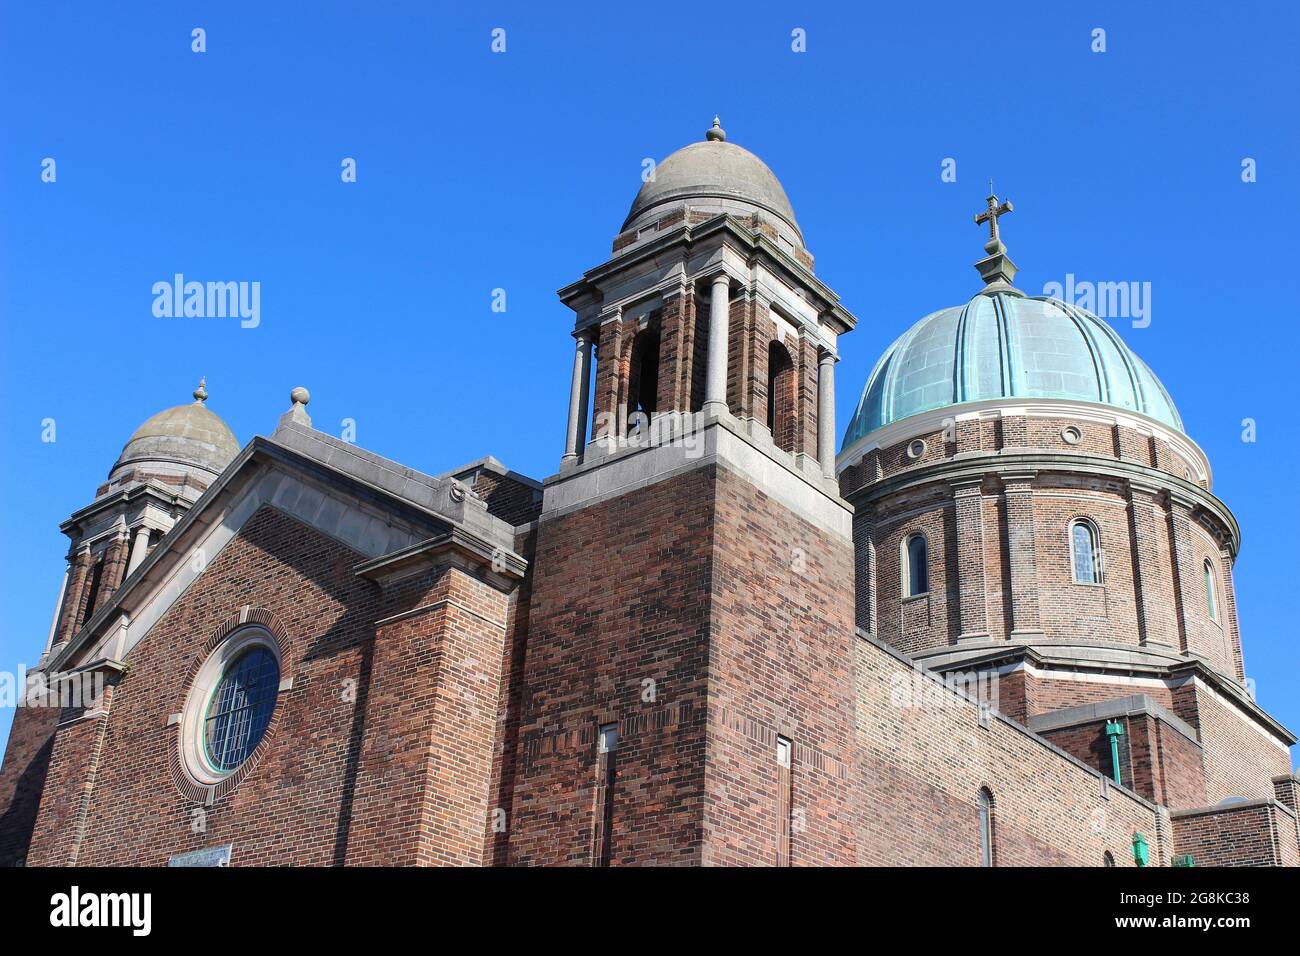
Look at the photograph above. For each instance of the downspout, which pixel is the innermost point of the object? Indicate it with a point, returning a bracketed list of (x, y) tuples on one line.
[(1114, 730)]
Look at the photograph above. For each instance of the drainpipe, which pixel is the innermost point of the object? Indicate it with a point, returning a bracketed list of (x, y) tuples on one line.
[(1114, 730)]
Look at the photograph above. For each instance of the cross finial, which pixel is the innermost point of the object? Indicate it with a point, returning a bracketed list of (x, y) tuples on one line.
[(996, 268), (991, 215)]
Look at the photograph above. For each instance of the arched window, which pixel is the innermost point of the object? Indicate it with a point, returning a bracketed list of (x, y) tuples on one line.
[(1211, 604), (1107, 859), (916, 565), (643, 380), (1085, 552), (780, 396), (986, 827)]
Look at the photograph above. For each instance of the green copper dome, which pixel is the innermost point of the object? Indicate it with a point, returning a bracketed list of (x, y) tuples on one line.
[(1007, 345)]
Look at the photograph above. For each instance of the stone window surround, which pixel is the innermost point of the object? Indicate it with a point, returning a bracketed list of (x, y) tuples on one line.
[(905, 565), (205, 681)]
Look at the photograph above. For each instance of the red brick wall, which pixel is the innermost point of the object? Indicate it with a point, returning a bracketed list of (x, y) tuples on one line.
[(780, 663), (382, 750), (289, 809), (922, 758), (737, 612), (620, 595), (423, 783), (1239, 760), (1255, 834), (1145, 594), (22, 777)]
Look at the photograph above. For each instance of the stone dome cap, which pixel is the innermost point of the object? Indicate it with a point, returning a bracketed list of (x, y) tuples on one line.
[(187, 435), (1008, 345), (713, 174)]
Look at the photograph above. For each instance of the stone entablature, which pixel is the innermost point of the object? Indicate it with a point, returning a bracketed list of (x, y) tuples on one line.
[(1053, 426)]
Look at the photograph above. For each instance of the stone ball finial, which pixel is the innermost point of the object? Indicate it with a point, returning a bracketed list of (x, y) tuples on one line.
[(300, 396), (201, 393), (716, 133)]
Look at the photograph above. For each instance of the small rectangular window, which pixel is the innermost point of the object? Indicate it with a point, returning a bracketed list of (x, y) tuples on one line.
[(608, 738), (783, 752)]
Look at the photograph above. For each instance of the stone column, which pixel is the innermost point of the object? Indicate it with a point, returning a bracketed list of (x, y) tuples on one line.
[(715, 391), (578, 397), (58, 612), (1022, 551), (139, 549), (968, 500), (826, 412)]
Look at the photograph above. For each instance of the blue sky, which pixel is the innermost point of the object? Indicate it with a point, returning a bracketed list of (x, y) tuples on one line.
[(479, 171)]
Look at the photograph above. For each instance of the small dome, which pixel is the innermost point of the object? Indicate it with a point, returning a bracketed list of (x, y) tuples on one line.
[(713, 174), (187, 435), (1007, 345)]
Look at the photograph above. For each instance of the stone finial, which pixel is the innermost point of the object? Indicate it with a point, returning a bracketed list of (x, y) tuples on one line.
[(297, 413), (716, 133), (996, 269), (201, 393)]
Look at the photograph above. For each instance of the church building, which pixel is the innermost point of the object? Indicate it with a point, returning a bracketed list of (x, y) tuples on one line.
[(995, 627)]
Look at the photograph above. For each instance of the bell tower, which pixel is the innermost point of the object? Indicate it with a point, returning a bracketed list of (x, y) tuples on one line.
[(687, 692)]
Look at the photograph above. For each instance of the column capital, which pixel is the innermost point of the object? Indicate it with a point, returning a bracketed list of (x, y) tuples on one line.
[(966, 486)]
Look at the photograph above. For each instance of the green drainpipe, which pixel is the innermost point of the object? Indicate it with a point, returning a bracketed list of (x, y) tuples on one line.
[(1141, 852), (1114, 730)]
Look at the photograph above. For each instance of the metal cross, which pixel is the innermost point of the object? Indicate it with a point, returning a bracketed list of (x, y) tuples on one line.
[(992, 213)]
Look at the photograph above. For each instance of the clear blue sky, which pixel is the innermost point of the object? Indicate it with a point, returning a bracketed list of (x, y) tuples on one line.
[(479, 170)]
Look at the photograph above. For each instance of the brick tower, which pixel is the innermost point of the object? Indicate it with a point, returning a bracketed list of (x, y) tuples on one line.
[(687, 691)]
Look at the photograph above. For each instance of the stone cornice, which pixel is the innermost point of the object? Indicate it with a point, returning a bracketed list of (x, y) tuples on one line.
[(1144, 662), (730, 229), (905, 429)]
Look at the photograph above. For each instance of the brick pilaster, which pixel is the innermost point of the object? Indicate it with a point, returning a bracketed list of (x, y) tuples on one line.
[(70, 780), (1152, 581), (424, 773), (968, 499), (72, 599), (1018, 495)]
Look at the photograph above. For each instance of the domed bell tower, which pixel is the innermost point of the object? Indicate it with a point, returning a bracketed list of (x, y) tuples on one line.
[(687, 694), (165, 466)]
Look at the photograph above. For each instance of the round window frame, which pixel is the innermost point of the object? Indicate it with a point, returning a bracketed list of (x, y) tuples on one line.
[(1072, 434), (192, 747), (916, 448)]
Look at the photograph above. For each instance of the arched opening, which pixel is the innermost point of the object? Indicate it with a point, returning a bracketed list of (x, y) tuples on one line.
[(643, 382), (986, 827), (916, 565), (780, 396), (1107, 859), (1085, 552), (1211, 602)]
